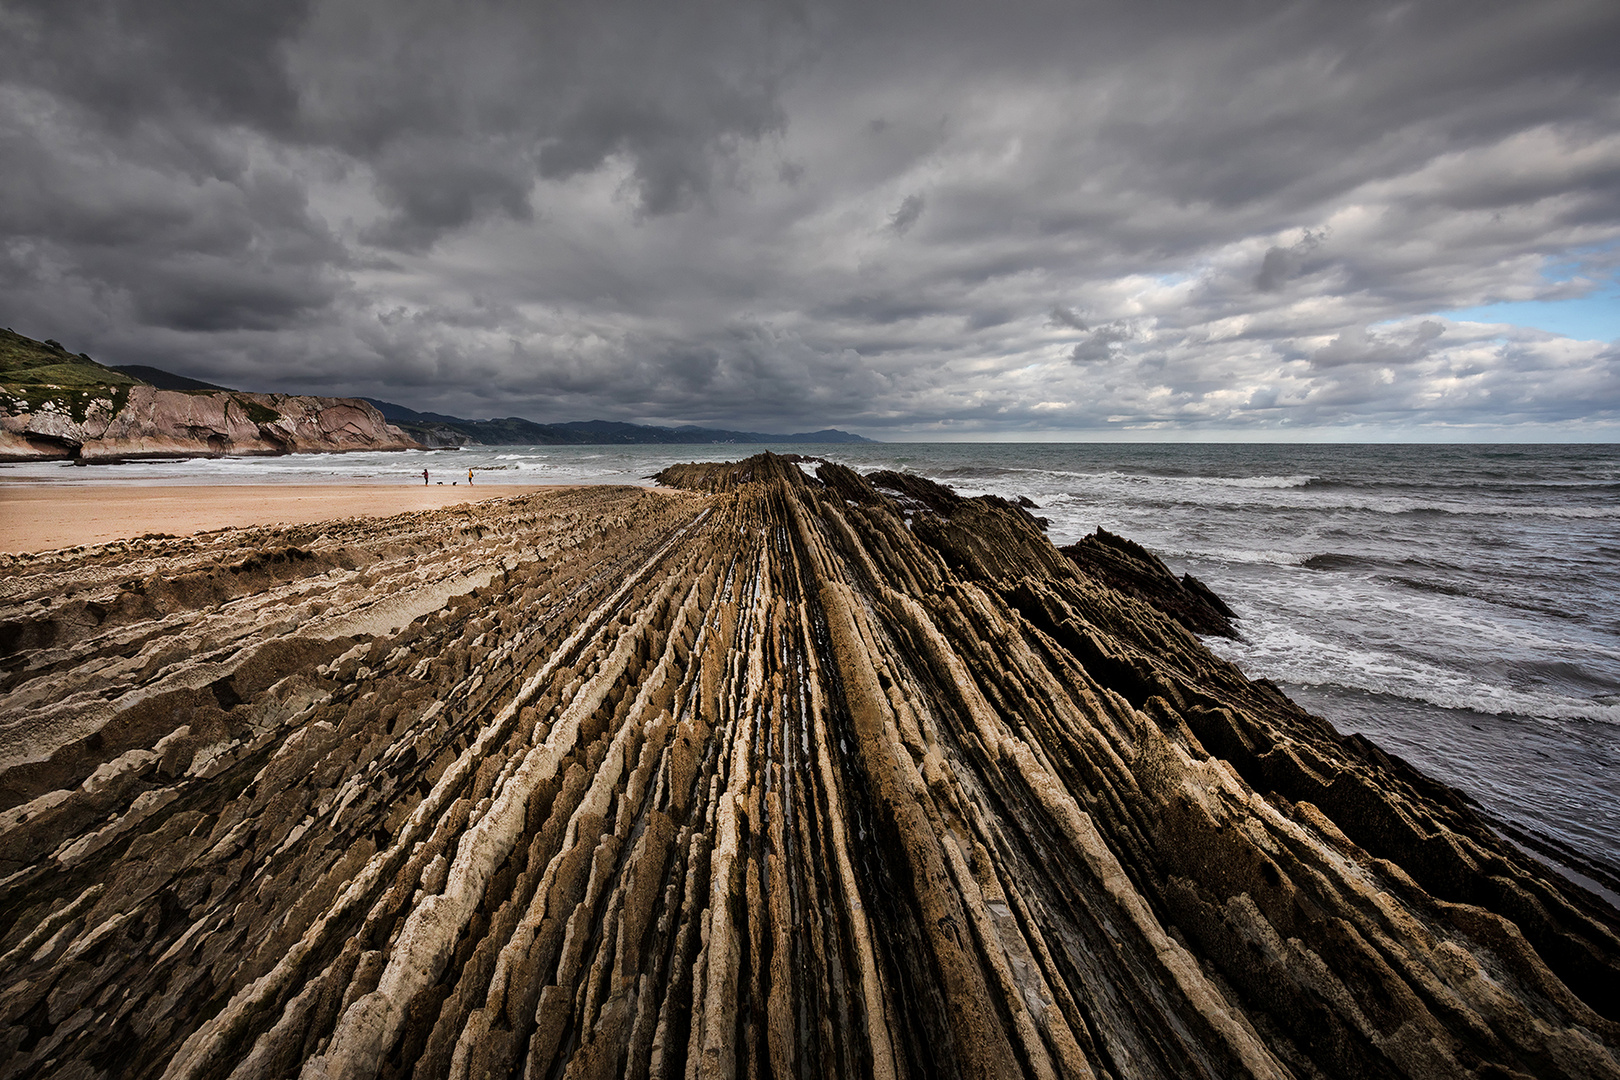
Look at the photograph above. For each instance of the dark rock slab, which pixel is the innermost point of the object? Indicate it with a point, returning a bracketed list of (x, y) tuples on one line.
[(1132, 569)]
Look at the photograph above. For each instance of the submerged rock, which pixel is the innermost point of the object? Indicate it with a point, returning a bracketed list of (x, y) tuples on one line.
[(776, 776)]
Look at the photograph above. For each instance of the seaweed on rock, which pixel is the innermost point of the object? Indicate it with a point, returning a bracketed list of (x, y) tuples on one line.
[(778, 775)]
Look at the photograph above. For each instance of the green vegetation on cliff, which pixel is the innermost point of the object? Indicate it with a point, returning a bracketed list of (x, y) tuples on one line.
[(40, 375), (25, 362), (55, 405), (259, 414)]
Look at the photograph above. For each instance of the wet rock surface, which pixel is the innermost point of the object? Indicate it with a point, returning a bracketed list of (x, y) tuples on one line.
[(776, 776)]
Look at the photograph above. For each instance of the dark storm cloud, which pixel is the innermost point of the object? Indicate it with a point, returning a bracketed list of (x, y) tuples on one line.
[(431, 189), (911, 208), (1281, 263), (1356, 346), (128, 63), (1102, 343), (1216, 216), (518, 93), (1062, 316)]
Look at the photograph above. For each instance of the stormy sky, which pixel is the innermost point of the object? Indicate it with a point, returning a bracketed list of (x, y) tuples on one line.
[(1222, 219)]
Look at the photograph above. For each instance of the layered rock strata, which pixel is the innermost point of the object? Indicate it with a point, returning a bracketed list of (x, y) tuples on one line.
[(1132, 569), (144, 422), (774, 776)]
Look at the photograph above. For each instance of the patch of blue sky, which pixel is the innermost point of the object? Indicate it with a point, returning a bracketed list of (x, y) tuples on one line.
[(1595, 317), (1593, 260), (1592, 317)]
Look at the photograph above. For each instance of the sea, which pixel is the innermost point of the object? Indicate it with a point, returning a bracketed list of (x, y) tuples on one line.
[(1459, 605)]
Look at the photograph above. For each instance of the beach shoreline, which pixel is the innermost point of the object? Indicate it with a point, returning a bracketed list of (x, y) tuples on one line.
[(45, 517)]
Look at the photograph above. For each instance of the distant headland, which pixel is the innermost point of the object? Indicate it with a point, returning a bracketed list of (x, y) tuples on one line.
[(58, 405), (437, 429)]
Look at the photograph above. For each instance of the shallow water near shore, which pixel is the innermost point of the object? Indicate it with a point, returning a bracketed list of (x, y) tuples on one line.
[(1453, 603)]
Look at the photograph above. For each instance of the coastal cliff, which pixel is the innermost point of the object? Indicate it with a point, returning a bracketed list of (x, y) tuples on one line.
[(144, 422), (56, 405), (785, 772)]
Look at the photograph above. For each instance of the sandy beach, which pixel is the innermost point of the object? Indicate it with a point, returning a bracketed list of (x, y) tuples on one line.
[(44, 517)]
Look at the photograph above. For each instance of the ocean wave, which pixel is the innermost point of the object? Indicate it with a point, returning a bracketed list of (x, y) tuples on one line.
[(1267, 482), (1439, 588), (1565, 513), (1292, 493), (1459, 483), (976, 472), (1570, 513), (1387, 505), (1446, 630), (1335, 561), (1246, 556), (1482, 593), (1285, 654), (945, 474), (1264, 482)]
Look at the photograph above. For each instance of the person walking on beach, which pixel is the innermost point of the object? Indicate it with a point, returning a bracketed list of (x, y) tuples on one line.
[(424, 478), (469, 478)]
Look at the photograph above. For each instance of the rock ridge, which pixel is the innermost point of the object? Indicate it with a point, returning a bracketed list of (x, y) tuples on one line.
[(1132, 569), (783, 773)]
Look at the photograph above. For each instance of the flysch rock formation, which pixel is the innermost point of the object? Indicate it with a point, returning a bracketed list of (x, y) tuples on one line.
[(1135, 571), (777, 775), (144, 422)]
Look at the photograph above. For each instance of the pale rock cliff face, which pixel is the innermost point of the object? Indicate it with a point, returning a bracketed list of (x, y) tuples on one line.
[(170, 423)]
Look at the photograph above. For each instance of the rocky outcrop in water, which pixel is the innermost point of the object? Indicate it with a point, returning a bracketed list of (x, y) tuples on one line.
[(773, 776)]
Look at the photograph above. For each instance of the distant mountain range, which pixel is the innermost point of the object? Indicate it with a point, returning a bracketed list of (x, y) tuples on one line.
[(437, 429)]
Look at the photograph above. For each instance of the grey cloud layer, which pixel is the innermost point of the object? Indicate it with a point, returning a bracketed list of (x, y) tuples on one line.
[(953, 221)]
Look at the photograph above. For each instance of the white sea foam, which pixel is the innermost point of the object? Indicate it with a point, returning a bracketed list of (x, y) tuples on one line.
[(1288, 654), (1114, 476), (1246, 556)]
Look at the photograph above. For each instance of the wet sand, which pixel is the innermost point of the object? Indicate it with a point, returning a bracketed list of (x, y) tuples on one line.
[(44, 517)]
